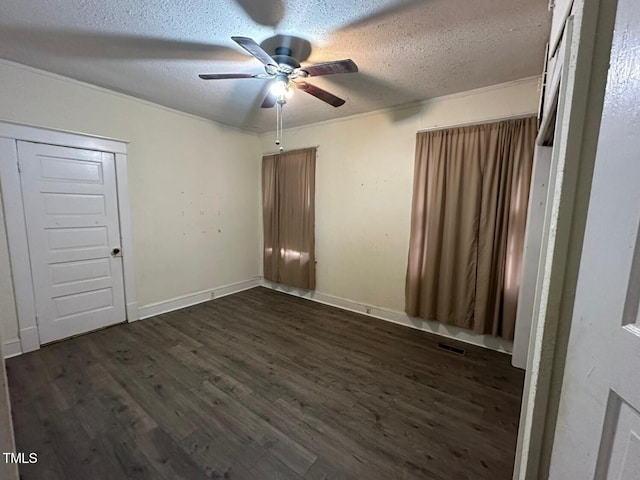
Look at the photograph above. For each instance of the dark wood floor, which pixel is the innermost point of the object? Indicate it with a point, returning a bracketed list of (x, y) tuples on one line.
[(261, 385)]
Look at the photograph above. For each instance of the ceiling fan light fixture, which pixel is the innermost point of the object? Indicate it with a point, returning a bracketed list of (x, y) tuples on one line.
[(280, 86), (288, 93)]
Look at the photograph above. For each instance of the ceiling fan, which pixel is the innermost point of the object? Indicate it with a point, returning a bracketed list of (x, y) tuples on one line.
[(286, 73)]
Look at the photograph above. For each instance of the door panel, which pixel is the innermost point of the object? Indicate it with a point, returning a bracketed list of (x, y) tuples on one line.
[(74, 304), (623, 461), (73, 204), (72, 226), (85, 270), (68, 170), (598, 426)]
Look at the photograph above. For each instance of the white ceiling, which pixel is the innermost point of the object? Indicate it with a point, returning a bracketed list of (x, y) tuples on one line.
[(406, 50)]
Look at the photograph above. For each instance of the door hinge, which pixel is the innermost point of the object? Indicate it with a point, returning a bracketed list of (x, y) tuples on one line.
[(19, 169)]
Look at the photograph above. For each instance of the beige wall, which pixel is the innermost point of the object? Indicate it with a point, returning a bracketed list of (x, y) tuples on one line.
[(364, 182), (193, 185)]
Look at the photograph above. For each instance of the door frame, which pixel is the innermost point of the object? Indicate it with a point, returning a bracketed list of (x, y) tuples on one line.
[(10, 185), (588, 33)]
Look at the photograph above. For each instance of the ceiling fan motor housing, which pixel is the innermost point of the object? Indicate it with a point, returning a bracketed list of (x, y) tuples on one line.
[(283, 57)]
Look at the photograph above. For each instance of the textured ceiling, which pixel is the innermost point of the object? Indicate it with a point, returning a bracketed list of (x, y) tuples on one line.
[(406, 50)]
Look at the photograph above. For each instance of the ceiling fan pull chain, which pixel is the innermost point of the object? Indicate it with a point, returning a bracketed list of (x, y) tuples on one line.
[(279, 124), (281, 146)]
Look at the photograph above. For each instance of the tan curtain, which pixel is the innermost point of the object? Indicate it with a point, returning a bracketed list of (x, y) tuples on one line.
[(288, 208), (470, 194)]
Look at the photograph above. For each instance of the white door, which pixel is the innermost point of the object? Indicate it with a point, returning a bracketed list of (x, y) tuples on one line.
[(74, 238), (598, 428)]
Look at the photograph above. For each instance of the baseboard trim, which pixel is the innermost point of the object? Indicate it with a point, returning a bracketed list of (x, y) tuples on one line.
[(29, 339), (12, 348), (184, 301), (16, 347), (132, 312), (399, 318)]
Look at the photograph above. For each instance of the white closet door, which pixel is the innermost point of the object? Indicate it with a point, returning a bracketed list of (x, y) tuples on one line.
[(74, 238)]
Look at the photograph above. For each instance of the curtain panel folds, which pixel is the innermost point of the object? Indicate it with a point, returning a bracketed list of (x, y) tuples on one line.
[(471, 190), (288, 212)]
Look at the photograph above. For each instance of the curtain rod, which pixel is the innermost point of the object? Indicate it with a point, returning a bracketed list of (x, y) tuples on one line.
[(479, 122), (317, 147)]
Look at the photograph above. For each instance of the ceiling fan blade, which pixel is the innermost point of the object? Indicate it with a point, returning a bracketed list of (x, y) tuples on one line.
[(269, 101), (265, 12), (225, 76), (254, 49), (329, 68), (323, 95), (380, 15), (83, 44)]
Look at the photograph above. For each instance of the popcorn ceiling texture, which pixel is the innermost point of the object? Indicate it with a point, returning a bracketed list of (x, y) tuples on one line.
[(407, 50)]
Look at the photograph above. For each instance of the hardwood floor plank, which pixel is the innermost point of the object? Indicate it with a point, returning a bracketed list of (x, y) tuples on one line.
[(260, 386), (217, 457), (168, 457), (131, 416), (30, 423), (270, 466), (145, 382), (119, 447), (80, 456), (456, 450), (324, 470)]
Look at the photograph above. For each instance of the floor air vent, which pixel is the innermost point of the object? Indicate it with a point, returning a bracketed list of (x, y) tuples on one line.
[(451, 348)]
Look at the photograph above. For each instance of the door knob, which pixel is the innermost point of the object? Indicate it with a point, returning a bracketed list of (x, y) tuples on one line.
[(116, 252)]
